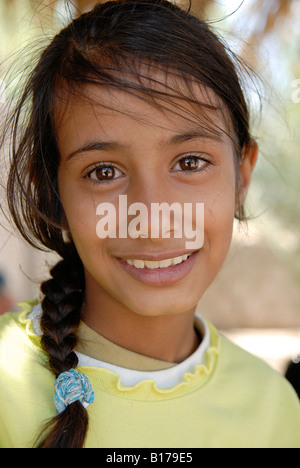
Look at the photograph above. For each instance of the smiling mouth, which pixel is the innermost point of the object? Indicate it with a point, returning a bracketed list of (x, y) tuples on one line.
[(150, 264), (163, 272)]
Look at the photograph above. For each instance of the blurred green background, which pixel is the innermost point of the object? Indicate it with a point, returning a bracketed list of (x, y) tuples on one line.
[(259, 284)]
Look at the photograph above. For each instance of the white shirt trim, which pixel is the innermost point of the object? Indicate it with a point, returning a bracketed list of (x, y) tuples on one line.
[(163, 378)]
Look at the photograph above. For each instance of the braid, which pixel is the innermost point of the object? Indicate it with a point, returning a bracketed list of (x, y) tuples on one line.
[(63, 298)]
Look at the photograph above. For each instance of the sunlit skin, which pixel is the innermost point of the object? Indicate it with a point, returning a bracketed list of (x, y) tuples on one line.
[(147, 149)]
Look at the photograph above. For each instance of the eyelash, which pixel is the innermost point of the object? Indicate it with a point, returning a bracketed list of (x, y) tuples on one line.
[(200, 159), (98, 166)]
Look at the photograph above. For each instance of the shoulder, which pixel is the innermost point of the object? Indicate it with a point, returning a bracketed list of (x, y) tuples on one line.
[(249, 370), (260, 392), (234, 357), (17, 335), (26, 382), (14, 323)]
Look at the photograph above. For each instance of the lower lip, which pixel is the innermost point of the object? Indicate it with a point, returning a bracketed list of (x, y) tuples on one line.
[(161, 276)]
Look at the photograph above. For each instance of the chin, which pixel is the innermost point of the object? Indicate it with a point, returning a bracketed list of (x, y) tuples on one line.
[(162, 306)]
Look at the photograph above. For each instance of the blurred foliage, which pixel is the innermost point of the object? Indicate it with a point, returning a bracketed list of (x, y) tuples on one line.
[(266, 34), (273, 38)]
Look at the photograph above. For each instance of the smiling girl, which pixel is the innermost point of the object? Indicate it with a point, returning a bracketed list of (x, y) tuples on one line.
[(135, 98)]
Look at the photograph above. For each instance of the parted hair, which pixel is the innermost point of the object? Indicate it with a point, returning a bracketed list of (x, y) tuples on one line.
[(103, 47)]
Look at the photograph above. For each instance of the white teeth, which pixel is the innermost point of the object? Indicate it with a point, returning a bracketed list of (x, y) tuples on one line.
[(150, 264), (138, 263), (157, 264), (177, 260), (165, 263)]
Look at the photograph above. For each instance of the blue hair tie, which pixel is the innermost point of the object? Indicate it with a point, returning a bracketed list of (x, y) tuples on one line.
[(71, 386)]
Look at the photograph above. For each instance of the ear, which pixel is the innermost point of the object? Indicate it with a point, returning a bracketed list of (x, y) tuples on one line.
[(246, 166)]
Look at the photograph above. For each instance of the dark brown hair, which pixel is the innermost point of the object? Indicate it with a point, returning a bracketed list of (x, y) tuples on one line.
[(105, 47)]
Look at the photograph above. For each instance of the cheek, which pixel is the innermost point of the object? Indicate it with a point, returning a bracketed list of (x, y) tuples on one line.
[(219, 212), (80, 212), (220, 207), (81, 216)]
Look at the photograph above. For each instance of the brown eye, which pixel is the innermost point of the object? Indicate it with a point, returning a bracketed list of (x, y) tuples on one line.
[(104, 173), (189, 163)]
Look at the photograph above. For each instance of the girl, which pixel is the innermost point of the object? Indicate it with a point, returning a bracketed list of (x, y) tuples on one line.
[(137, 98)]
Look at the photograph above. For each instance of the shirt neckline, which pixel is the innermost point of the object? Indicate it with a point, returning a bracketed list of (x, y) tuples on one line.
[(163, 378)]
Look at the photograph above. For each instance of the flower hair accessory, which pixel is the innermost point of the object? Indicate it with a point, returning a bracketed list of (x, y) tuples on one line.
[(71, 386)]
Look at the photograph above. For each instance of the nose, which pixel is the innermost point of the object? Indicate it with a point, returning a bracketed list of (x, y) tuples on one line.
[(153, 211)]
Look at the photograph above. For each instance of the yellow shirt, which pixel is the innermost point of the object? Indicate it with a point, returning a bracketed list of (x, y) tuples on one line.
[(232, 400)]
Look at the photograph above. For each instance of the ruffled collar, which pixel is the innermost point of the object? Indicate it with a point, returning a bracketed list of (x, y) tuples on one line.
[(187, 376)]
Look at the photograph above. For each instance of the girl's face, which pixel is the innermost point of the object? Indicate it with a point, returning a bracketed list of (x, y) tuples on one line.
[(151, 157)]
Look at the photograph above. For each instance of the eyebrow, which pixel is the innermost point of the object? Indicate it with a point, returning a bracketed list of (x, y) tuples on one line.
[(211, 134), (204, 134), (97, 145)]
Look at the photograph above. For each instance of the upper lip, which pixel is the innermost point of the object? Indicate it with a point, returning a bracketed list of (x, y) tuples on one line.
[(157, 256)]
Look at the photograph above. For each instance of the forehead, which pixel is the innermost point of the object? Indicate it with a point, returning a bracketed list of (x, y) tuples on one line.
[(154, 98)]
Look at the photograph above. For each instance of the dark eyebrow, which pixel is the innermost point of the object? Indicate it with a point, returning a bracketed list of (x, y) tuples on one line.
[(199, 134), (175, 139), (97, 145)]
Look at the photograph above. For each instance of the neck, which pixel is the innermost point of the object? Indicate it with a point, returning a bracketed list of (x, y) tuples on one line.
[(169, 338)]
